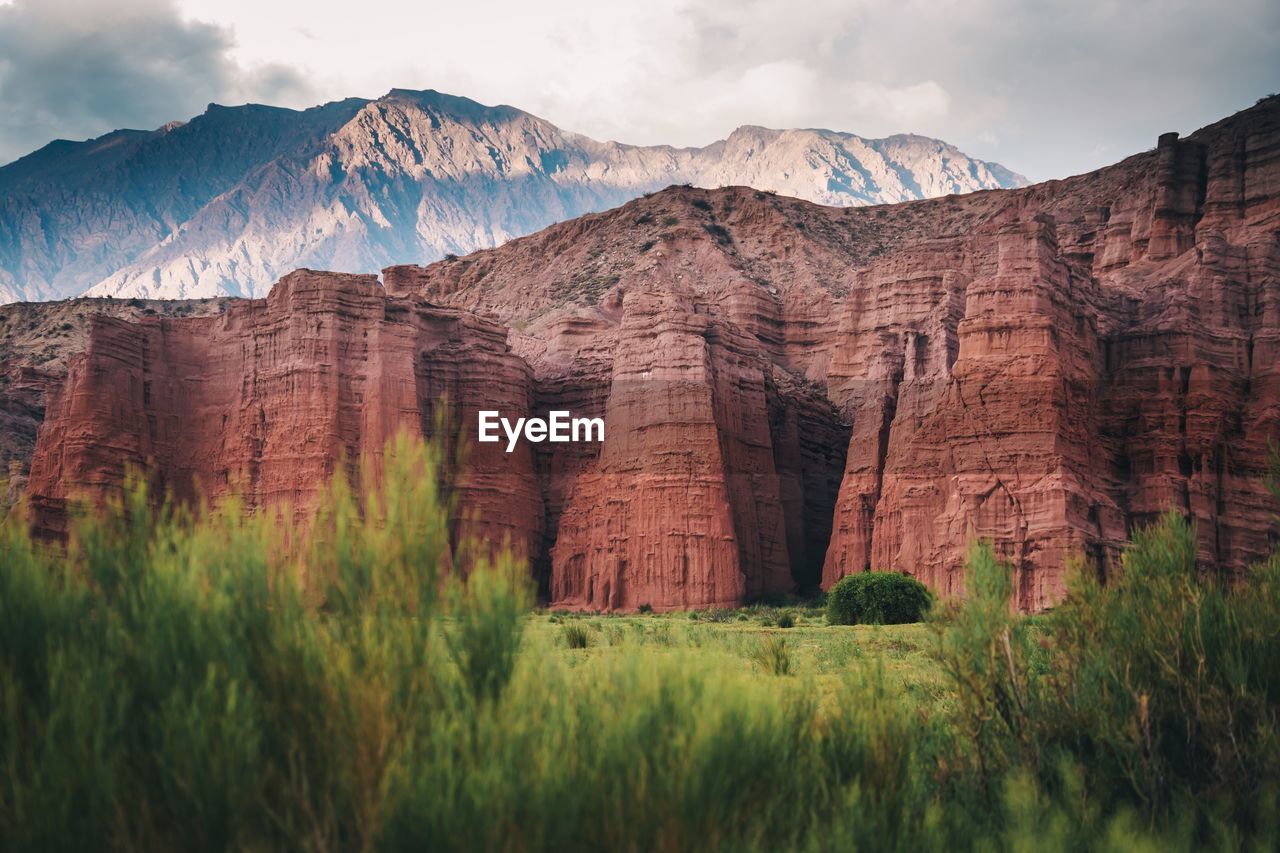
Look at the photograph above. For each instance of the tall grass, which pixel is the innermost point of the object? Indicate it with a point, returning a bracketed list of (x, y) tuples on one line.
[(209, 679), (773, 655)]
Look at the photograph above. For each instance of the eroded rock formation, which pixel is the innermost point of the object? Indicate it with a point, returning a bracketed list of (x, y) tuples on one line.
[(791, 392), (267, 397)]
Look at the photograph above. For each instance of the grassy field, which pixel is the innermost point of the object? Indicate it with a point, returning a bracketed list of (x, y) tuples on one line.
[(818, 655)]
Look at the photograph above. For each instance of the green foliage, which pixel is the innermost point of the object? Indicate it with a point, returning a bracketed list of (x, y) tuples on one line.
[(881, 598), (1157, 692), (984, 648), (1169, 682), (193, 680), (487, 625), (213, 679), (786, 619)]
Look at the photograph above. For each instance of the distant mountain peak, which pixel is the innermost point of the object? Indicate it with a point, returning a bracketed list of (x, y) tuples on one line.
[(230, 200)]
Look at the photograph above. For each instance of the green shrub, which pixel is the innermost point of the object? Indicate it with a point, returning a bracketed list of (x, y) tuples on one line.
[(488, 610), (1168, 680), (614, 634), (883, 598), (183, 680), (1159, 690), (575, 636), (786, 620)]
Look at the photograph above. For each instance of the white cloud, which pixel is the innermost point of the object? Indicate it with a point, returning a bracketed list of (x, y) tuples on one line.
[(78, 68), (1048, 88)]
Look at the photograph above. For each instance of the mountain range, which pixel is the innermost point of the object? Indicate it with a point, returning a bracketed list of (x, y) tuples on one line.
[(228, 202)]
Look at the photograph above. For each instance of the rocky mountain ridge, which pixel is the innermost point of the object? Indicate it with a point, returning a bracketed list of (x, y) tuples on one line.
[(231, 200)]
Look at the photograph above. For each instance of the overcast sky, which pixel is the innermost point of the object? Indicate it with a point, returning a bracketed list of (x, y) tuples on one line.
[(1047, 88)]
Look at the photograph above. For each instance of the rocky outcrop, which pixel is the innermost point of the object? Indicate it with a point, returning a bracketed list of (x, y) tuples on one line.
[(697, 424), (791, 392), (265, 399), (1047, 368), (36, 342), (975, 413)]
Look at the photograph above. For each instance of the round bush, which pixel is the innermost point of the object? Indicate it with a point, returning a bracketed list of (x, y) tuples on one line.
[(882, 598)]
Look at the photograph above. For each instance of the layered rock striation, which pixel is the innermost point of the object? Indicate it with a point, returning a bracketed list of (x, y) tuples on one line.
[(266, 399)]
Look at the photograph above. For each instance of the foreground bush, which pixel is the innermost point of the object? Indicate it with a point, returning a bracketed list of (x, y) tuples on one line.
[(175, 682), (881, 598), (1157, 692)]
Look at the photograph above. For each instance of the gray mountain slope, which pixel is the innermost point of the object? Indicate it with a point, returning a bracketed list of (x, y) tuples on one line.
[(228, 202)]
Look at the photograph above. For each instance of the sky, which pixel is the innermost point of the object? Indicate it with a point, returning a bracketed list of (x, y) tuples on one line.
[(1046, 88)]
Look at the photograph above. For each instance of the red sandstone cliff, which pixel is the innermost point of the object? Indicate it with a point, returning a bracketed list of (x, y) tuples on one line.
[(267, 397), (791, 392)]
